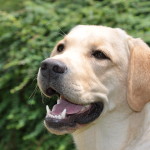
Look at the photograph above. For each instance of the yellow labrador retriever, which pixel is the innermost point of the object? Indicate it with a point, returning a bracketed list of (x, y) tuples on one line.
[(102, 77)]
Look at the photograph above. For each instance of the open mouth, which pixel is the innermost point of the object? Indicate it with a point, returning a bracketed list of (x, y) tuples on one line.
[(66, 114)]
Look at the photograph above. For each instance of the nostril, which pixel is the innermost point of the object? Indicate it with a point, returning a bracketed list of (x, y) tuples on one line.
[(59, 69), (44, 66)]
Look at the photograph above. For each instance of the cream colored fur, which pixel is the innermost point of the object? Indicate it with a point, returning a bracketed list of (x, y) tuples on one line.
[(122, 83)]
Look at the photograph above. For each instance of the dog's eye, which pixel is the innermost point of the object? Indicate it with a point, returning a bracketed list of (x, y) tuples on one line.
[(99, 55), (60, 47)]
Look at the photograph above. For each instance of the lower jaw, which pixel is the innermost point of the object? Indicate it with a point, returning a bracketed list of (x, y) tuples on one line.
[(63, 130), (72, 123)]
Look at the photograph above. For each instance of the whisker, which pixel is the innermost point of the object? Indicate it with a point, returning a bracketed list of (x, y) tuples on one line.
[(34, 78), (64, 34), (33, 93), (61, 34)]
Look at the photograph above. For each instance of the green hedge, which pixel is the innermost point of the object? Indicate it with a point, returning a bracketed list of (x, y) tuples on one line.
[(28, 31)]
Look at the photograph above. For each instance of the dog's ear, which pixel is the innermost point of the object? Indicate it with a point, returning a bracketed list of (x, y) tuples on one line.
[(139, 74)]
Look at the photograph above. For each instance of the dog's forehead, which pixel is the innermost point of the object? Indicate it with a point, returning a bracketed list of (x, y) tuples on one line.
[(83, 32)]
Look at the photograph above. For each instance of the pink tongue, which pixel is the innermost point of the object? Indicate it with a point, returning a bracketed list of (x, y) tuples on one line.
[(70, 107)]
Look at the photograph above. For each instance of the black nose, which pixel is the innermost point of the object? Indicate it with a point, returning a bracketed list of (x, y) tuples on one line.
[(52, 66)]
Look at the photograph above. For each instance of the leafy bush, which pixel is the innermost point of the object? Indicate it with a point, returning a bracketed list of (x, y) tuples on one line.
[(27, 36)]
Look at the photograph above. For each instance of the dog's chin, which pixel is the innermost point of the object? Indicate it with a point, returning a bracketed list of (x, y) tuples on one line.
[(58, 131), (67, 117)]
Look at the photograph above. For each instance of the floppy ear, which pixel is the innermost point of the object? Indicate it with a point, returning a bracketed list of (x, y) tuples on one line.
[(139, 74)]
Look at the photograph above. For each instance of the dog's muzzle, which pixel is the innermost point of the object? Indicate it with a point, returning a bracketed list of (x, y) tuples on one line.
[(64, 115)]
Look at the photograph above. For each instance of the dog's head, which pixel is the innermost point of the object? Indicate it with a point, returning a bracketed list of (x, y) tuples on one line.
[(88, 69)]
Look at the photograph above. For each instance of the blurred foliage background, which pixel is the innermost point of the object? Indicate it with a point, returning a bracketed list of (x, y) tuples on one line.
[(28, 31)]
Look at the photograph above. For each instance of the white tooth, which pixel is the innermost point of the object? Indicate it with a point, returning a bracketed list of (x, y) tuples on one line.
[(51, 115), (56, 116), (87, 106), (63, 114), (59, 117), (47, 109), (58, 101)]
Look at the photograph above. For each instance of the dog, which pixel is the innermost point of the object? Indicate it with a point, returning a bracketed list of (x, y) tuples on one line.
[(102, 78)]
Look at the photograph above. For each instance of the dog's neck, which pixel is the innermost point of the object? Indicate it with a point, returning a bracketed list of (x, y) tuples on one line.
[(118, 130)]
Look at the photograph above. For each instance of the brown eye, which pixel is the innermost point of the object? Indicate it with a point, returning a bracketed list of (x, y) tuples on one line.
[(60, 47), (99, 54)]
